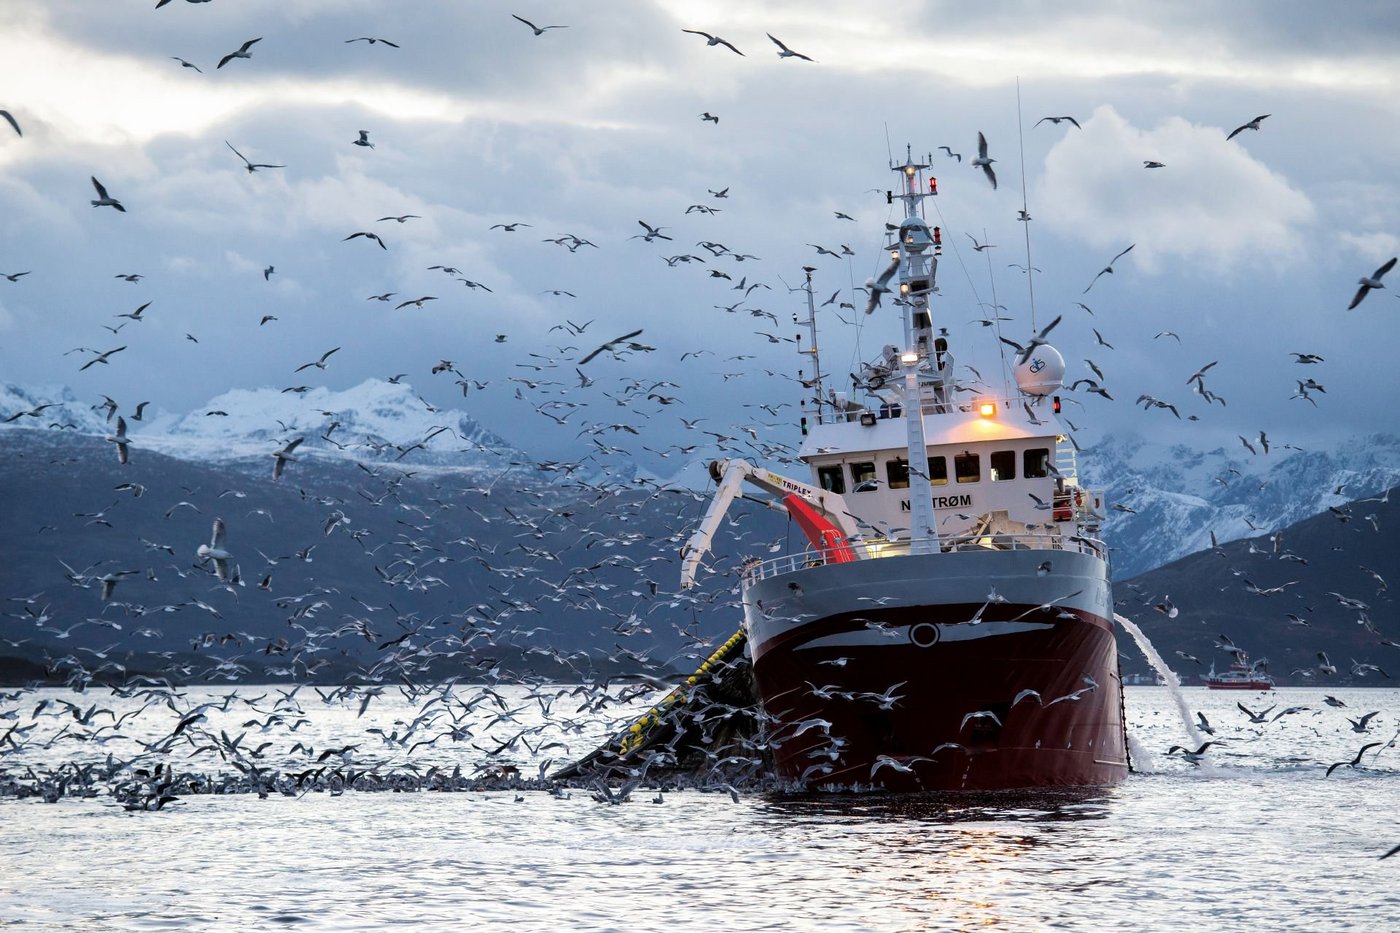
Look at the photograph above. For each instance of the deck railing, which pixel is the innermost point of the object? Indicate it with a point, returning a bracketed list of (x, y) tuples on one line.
[(875, 549)]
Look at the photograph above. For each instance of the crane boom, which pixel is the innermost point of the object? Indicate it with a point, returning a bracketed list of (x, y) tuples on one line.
[(730, 475)]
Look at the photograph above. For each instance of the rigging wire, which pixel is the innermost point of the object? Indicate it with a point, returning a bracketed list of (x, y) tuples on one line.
[(1025, 206)]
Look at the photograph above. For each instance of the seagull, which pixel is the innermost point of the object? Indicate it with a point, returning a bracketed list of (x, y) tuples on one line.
[(15, 123), (1056, 121), (281, 457), (1148, 163), (880, 286), (363, 140), (1367, 283), (372, 40), (716, 40), (980, 246), (1108, 269), (1355, 762), (651, 232), (134, 315), (785, 52), (416, 302), (1251, 125), (106, 200), (372, 236), (710, 118), (510, 228), (611, 344), (1254, 717), (1024, 353), (319, 364), (539, 30), (1193, 757), (217, 550), (983, 162), (100, 358), (1359, 725), (13, 276), (951, 153), (241, 53), (251, 166), (121, 440)]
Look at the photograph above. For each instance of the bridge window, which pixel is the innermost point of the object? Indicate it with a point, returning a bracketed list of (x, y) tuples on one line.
[(832, 478), (968, 467), (897, 474), (1036, 463), (863, 477), (938, 471), (1003, 464)]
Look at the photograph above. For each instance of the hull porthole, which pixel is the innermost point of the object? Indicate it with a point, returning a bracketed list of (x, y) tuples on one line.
[(924, 634)]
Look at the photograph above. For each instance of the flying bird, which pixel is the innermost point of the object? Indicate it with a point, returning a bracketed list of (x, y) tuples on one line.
[(217, 550), (242, 52), (538, 30), (1024, 353), (1148, 163), (9, 118), (372, 40), (106, 200), (983, 162), (100, 358), (416, 302), (282, 457), (250, 166), (1251, 125), (1056, 121), (319, 364), (1108, 269), (708, 117), (1367, 283), (716, 40), (785, 52), (186, 64), (371, 236), (13, 276), (610, 345), (363, 140), (121, 440)]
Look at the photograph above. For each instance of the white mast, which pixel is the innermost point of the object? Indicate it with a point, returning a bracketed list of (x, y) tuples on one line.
[(916, 252)]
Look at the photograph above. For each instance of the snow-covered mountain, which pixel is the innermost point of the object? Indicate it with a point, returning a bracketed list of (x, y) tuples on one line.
[(375, 421), (1166, 501)]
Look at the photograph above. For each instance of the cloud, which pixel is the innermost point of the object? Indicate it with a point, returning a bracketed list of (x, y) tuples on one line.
[(1212, 203)]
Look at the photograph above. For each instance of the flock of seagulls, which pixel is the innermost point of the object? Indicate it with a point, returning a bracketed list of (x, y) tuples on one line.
[(412, 563)]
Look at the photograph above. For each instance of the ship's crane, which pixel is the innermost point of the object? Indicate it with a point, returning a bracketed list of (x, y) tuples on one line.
[(820, 513)]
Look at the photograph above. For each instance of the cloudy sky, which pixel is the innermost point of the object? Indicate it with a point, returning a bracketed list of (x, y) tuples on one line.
[(1247, 249)]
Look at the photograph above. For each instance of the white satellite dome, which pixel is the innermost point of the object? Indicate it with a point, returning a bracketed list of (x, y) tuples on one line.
[(1043, 371)]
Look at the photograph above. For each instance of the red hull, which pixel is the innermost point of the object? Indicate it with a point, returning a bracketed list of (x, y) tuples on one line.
[(926, 739)]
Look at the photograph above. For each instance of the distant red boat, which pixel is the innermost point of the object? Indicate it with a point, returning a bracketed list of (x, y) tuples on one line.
[(1241, 676)]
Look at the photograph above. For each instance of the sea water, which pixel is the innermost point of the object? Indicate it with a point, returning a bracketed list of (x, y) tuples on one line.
[(1258, 836)]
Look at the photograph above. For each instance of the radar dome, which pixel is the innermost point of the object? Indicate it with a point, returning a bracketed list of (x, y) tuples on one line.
[(1042, 373)]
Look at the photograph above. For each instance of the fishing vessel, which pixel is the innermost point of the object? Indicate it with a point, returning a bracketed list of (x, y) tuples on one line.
[(948, 624), (1242, 675)]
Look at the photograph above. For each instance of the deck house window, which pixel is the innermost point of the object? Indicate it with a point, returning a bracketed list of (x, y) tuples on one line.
[(968, 467), (938, 471), (897, 474), (863, 477), (832, 479), (1036, 463), (1003, 464)]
